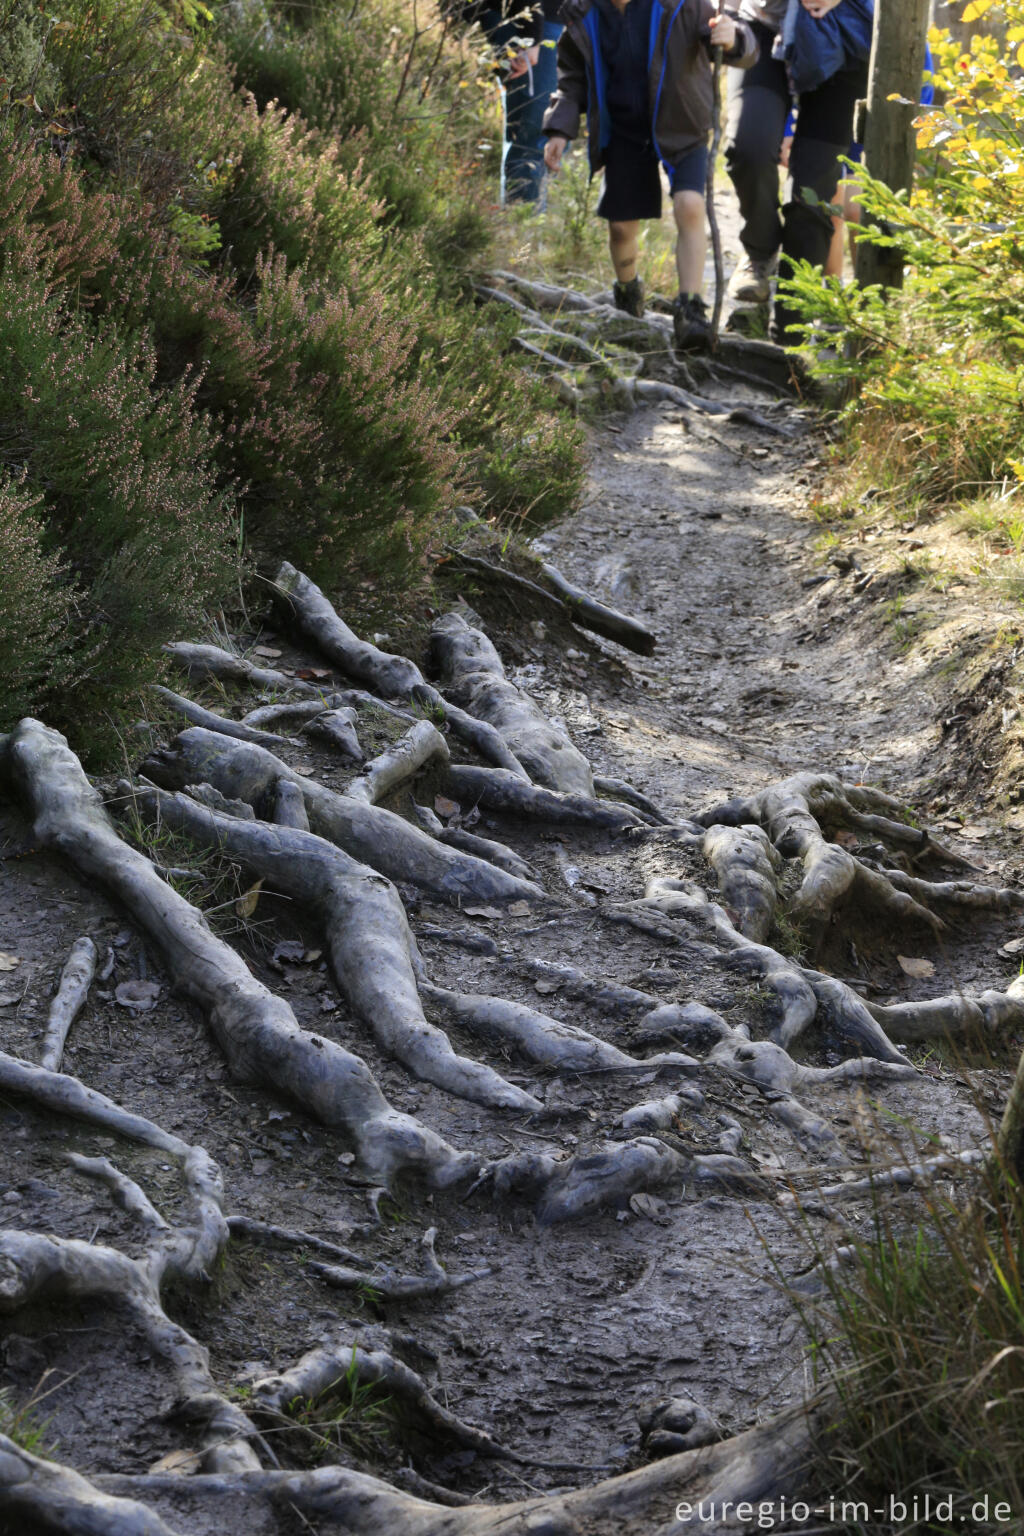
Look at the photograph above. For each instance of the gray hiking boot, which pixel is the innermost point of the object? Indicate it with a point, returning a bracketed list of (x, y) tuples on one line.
[(751, 283), (629, 297)]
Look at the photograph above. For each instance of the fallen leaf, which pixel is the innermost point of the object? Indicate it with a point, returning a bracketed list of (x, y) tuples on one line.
[(8, 962), (975, 832), (311, 674), (181, 1463), (311, 956), (519, 909), (544, 987), (846, 839), (445, 807), (245, 906), (140, 996), (919, 969), (304, 771), (266, 650), (649, 1206), (1012, 947), (490, 912)]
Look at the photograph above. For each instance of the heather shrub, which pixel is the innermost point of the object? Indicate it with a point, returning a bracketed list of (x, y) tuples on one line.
[(129, 493), (37, 609)]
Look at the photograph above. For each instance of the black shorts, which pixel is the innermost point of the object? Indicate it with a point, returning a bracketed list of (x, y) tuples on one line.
[(632, 179)]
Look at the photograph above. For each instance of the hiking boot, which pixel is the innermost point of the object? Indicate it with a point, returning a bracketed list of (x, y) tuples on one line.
[(751, 283), (690, 323), (629, 297)]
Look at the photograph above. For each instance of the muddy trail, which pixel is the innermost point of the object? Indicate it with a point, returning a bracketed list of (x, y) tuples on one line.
[(555, 1003)]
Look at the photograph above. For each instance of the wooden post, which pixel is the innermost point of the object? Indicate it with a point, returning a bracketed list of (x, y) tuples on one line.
[(897, 63)]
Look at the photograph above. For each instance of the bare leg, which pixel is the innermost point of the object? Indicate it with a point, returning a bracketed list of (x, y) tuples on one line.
[(691, 241), (623, 245)]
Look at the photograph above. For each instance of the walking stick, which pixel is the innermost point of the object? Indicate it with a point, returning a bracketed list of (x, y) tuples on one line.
[(709, 190)]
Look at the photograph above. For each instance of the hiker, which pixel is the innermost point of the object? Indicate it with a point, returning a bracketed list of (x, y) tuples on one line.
[(815, 51), (523, 34), (641, 72)]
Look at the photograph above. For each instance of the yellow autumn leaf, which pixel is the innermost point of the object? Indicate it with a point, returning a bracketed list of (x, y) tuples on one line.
[(245, 906), (975, 9)]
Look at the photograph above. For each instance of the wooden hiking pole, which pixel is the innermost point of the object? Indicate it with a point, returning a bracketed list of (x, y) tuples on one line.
[(709, 189)]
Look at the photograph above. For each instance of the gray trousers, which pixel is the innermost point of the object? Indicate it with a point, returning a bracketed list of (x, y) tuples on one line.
[(759, 102)]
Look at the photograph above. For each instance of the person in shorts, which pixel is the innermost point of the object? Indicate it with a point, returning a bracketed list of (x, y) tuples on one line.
[(640, 72)]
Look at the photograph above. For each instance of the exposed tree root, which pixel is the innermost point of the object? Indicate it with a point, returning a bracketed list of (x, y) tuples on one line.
[(588, 613), (38, 1493), (497, 790), (539, 1037), (321, 1370), (795, 814), (214, 722), (472, 672), (746, 866), (397, 1287), (373, 836), (34, 1267), (75, 981), (759, 1466), (469, 842), (421, 744), (202, 662), (288, 1237), (955, 1015), (618, 789), (368, 938), (395, 677), (256, 1030)]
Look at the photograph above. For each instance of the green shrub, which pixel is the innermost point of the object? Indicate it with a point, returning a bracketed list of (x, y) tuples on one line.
[(923, 1347), (37, 609), (128, 487)]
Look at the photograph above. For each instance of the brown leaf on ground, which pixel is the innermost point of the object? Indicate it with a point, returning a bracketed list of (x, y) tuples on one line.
[(920, 969)]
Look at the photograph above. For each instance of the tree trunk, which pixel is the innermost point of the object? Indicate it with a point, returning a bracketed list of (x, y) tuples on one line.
[(897, 62)]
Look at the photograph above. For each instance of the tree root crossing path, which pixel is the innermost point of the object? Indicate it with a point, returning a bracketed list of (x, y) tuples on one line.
[(424, 1075)]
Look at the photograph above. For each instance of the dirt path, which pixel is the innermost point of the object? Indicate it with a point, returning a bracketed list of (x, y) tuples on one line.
[(762, 669)]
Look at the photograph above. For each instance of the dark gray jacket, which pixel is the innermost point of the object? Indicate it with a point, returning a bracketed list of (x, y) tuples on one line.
[(679, 80)]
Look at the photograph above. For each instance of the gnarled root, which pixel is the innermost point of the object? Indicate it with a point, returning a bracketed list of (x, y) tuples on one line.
[(396, 1287), (321, 1370), (75, 981), (745, 865), (590, 614), (480, 847), (793, 813), (214, 722), (36, 1494), (421, 743), (366, 832), (955, 1015), (497, 790), (540, 1038), (202, 662), (368, 938), (33, 1267), (393, 676), (564, 1191), (256, 1030), (472, 673)]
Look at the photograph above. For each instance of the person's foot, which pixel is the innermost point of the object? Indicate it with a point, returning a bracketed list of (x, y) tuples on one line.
[(690, 323), (629, 297), (751, 283)]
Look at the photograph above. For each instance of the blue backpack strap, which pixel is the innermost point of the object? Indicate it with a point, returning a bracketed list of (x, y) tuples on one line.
[(652, 44), (590, 22)]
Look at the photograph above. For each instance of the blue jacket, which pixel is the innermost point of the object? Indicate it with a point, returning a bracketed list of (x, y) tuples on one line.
[(816, 49)]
